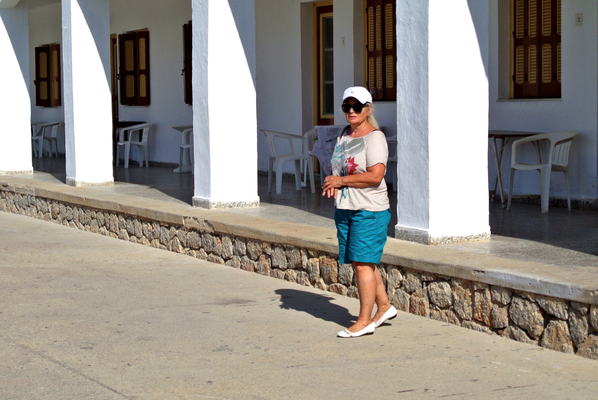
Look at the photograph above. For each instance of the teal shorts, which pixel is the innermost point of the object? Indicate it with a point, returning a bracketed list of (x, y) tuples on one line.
[(361, 235)]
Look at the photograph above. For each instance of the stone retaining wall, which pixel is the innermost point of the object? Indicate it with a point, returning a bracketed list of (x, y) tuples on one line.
[(553, 323)]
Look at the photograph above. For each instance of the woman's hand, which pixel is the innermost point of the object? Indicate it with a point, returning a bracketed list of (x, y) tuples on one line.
[(331, 185)]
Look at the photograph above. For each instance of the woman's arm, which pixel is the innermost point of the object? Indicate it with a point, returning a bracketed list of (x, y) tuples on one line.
[(373, 176)]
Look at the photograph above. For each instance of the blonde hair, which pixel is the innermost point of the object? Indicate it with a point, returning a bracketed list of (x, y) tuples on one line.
[(371, 119)]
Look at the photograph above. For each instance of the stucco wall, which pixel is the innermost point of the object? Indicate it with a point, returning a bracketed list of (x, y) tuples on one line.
[(576, 110)]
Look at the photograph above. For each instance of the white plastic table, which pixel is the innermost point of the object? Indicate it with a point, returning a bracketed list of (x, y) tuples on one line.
[(499, 139)]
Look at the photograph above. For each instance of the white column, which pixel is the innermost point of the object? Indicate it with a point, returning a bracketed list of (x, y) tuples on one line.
[(15, 106), (87, 98), (224, 104), (442, 120)]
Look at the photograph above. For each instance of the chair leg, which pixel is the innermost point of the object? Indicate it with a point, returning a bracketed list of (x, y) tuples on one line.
[(310, 166), (127, 154), (146, 156), (568, 190), (298, 174), (511, 178), (278, 171), (545, 188), (270, 165)]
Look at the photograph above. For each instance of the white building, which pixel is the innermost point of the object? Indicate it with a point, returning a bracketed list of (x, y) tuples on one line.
[(256, 64)]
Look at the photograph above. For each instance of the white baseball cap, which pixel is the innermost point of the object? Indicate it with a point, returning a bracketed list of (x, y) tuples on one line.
[(358, 92)]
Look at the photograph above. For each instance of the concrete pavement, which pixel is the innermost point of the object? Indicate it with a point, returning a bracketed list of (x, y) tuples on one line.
[(86, 316)]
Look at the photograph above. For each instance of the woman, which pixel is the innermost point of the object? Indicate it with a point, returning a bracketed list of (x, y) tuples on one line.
[(362, 210)]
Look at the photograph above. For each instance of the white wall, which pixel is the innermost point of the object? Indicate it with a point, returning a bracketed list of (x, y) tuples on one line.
[(575, 111), (45, 28), (164, 20)]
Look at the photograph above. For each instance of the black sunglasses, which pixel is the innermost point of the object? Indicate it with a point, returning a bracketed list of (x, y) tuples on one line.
[(357, 107)]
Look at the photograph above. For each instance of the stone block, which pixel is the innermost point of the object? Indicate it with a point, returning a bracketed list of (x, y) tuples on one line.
[(227, 247), (313, 269), (338, 288), (578, 327), (193, 240), (279, 258), (400, 299), (303, 278), (557, 337), (518, 334), (345, 274), (444, 316), (589, 348), (594, 317), (329, 270), (482, 306), (291, 276), (581, 307), (394, 277), (211, 243), (476, 326), (233, 262), (411, 282), (419, 303), (262, 265), (527, 315), (501, 295), (293, 258), (500, 316), (247, 264), (462, 299), (239, 247), (440, 294), (552, 306), (213, 258)]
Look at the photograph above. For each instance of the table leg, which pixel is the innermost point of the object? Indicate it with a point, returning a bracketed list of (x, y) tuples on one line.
[(498, 160)]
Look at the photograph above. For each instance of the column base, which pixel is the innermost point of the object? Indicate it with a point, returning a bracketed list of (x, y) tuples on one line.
[(23, 172), (209, 204), (424, 237), (76, 183)]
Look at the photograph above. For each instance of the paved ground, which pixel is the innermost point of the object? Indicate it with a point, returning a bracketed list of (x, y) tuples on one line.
[(89, 317)]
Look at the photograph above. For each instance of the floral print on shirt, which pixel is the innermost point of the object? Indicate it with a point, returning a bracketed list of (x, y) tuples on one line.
[(344, 161)]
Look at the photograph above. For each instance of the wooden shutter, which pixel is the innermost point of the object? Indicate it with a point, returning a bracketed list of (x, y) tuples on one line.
[(54, 74), (42, 76), (127, 44), (381, 49), (536, 48), (187, 62), (143, 68)]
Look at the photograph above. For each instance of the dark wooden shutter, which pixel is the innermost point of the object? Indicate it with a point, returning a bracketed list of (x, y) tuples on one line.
[(390, 50), (42, 76), (54, 74), (143, 68), (537, 48), (381, 49), (127, 44), (187, 62)]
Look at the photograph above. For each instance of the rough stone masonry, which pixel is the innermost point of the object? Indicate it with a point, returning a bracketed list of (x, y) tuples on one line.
[(552, 323)]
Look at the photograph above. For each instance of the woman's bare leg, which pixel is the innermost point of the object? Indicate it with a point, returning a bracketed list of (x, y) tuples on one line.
[(382, 302), (367, 285)]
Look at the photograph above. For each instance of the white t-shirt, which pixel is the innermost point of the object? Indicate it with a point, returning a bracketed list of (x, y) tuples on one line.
[(354, 156)]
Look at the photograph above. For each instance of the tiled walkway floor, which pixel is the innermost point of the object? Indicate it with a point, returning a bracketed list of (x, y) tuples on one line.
[(560, 237)]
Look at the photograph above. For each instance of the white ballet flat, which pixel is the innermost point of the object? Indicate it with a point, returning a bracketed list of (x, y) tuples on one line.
[(388, 315), (368, 330)]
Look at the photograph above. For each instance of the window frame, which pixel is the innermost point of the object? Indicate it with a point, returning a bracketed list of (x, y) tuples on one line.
[(134, 68), (50, 75), (528, 82), (380, 67)]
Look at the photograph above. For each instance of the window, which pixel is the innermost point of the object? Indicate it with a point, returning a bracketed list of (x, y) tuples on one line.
[(381, 57), (47, 76), (536, 49), (134, 68), (187, 63)]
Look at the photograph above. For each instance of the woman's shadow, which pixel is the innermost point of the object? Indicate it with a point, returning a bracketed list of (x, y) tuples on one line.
[(318, 305)]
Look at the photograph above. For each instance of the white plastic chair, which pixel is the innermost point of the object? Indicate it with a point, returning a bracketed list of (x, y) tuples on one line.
[(276, 160), (558, 160), (37, 140), (308, 149), (52, 138), (136, 135), (186, 145)]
